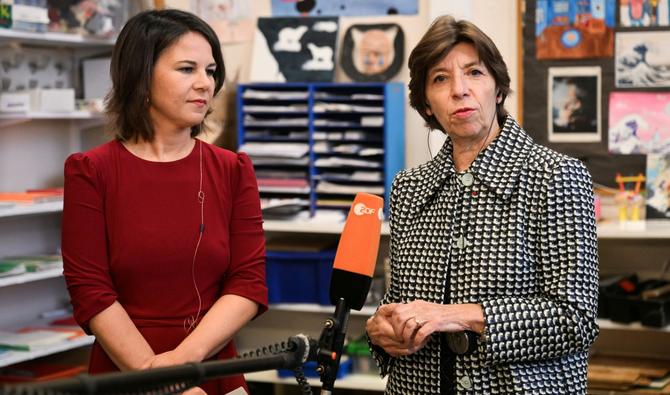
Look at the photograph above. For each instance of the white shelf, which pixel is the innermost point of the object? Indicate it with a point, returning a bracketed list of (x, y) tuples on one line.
[(317, 308), (312, 226), (29, 277), (13, 357), (50, 115), (366, 382), (634, 326), (32, 209), (51, 38), (650, 229)]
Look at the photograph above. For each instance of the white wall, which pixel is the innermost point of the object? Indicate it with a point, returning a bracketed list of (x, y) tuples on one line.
[(497, 18)]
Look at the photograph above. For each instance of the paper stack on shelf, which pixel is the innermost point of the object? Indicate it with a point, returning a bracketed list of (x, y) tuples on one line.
[(32, 340)]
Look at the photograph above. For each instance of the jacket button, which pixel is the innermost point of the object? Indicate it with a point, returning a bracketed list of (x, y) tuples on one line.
[(467, 179), (465, 382)]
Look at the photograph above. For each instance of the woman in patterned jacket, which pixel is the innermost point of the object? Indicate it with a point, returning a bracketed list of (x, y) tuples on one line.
[(493, 242)]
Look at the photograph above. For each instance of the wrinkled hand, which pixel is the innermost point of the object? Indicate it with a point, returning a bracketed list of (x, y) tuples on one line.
[(381, 333), (416, 321)]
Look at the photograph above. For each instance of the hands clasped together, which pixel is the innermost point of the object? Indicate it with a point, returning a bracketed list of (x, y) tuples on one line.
[(405, 328), (171, 358)]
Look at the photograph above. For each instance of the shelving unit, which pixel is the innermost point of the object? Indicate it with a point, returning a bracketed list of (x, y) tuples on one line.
[(33, 148), (30, 277), (54, 39), (32, 209), (365, 382), (366, 311), (13, 357), (322, 143)]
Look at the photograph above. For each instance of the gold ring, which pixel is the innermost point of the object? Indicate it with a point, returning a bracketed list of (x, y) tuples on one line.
[(419, 322)]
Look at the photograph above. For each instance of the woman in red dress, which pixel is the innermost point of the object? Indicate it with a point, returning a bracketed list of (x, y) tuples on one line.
[(162, 239)]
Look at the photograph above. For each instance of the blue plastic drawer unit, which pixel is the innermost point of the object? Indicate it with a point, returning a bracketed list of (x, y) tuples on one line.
[(299, 277)]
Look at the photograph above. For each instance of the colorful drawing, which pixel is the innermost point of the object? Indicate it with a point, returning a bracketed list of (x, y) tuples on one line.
[(640, 13), (573, 104), (343, 7), (574, 29), (232, 20), (658, 186), (372, 52), (294, 49), (642, 59), (639, 123)]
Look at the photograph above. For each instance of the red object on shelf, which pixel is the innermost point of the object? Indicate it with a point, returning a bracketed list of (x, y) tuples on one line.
[(38, 371)]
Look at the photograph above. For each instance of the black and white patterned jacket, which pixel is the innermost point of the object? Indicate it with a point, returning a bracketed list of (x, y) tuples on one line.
[(521, 241)]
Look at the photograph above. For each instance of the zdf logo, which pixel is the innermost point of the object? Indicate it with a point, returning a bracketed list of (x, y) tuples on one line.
[(362, 209)]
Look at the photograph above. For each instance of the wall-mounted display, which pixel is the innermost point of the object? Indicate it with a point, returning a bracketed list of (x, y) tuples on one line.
[(642, 59), (373, 52), (573, 29), (343, 7), (658, 186), (294, 50), (639, 123), (574, 104), (639, 13)]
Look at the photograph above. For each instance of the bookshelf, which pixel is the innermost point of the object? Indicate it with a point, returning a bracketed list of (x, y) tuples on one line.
[(31, 209), (33, 148), (55, 39), (12, 357), (30, 277)]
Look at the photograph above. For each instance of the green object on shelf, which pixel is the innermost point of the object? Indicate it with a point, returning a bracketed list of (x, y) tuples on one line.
[(358, 347), (10, 267), (5, 16)]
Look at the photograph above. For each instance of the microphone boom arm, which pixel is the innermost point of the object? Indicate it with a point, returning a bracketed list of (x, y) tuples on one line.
[(331, 343)]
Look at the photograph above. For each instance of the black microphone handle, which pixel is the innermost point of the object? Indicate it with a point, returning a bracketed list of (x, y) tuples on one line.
[(171, 377)]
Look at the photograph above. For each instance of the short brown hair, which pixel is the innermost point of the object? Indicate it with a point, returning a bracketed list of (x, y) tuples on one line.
[(442, 36), (141, 41)]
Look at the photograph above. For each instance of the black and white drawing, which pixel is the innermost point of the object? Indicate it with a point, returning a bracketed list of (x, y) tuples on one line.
[(294, 50), (642, 59)]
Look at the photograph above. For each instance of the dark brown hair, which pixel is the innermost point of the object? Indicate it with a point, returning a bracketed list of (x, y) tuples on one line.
[(442, 36), (141, 41)]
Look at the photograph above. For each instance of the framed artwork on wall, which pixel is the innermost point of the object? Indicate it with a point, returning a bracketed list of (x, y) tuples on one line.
[(642, 59), (573, 104), (639, 123)]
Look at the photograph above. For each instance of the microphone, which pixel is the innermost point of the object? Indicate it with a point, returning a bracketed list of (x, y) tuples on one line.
[(350, 280), (357, 250)]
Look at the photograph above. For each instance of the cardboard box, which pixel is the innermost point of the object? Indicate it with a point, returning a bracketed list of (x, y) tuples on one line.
[(43, 100), (15, 101)]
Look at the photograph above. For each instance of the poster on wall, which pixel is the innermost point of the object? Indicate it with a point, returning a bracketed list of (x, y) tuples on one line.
[(639, 123), (574, 29), (658, 186), (372, 52), (294, 50), (574, 104), (642, 59), (643, 13), (343, 7), (232, 20)]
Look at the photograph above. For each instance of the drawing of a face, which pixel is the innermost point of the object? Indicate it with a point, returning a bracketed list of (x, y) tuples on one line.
[(373, 50)]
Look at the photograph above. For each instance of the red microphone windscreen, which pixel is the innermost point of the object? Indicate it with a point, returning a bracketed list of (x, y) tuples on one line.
[(357, 251)]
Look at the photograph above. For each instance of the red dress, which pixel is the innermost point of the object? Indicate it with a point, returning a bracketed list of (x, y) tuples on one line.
[(130, 228)]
